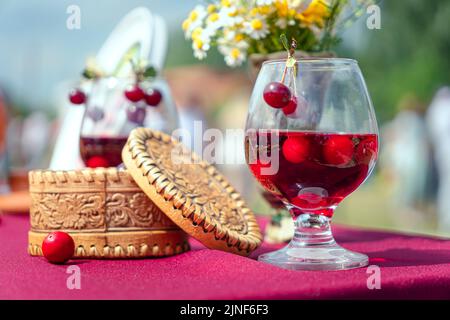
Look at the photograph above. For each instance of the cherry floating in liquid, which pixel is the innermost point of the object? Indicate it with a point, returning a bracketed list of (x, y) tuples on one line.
[(134, 93), (76, 96), (365, 151), (58, 247), (153, 97), (295, 149), (97, 162), (136, 114), (338, 150), (277, 95)]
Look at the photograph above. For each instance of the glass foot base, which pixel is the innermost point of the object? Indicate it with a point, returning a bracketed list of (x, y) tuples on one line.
[(322, 257)]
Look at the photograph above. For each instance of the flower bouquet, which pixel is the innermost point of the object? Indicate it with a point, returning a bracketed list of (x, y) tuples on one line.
[(241, 29)]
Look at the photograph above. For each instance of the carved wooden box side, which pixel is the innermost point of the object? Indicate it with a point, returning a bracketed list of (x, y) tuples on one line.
[(105, 212)]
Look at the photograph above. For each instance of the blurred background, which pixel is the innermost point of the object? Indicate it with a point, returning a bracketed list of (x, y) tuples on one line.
[(406, 65)]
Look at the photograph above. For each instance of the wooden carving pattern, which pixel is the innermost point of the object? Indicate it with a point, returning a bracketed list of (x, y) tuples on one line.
[(53, 211), (134, 210), (116, 245), (191, 192), (202, 189), (91, 200)]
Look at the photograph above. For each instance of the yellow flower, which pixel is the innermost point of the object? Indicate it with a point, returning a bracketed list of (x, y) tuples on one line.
[(233, 13), (238, 37), (225, 3), (282, 8), (256, 28), (186, 24), (213, 17), (235, 53), (256, 24), (211, 8), (233, 56), (265, 10), (315, 13), (193, 15), (196, 33), (198, 43), (261, 10)]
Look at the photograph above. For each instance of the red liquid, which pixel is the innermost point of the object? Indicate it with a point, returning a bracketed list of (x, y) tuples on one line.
[(316, 170), (102, 151)]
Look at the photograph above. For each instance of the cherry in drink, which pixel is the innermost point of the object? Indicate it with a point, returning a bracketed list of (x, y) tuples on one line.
[(315, 171), (102, 151)]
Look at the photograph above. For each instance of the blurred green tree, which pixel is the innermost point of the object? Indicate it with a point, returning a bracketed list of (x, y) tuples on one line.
[(410, 54)]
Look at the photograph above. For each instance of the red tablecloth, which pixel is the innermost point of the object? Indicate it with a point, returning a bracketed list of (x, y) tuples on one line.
[(411, 267)]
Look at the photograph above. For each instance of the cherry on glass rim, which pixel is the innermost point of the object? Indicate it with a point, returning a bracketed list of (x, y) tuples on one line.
[(153, 97), (277, 95), (58, 247), (291, 106), (297, 108), (134, 93)]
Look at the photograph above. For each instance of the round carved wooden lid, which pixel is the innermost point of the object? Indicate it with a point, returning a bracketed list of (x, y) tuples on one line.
[(191, 192)]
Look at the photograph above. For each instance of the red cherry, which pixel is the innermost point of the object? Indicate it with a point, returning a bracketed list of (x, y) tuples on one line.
[(366, 150), (295, 149), (277, 95), (76, 96), (309, 201), (153, 97), (291, 106), (58, 247), (338, 150), (97, 162), (296, 108), (134, 93)]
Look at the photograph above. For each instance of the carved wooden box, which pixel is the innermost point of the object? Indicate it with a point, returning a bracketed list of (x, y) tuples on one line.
[(104, 211)]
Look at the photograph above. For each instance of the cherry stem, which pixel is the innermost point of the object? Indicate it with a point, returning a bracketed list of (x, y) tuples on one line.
[(135, 71), (291, 53)]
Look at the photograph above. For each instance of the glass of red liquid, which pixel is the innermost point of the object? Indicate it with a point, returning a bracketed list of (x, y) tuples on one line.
[(311, 140), (110, 116)]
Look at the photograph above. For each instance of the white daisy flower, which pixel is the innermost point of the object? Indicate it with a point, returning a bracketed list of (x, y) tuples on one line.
[(213, 22), (229, 16), (233, 38), (201, 42), (195, 20), (256, 28), (265, 2), (200, 49), (233, 56)]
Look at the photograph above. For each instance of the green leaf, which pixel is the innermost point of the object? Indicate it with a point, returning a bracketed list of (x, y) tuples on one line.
[(150, 72), (88, 74), (284, 41)]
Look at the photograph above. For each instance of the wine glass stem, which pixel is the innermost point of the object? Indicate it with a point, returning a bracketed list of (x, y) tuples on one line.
[(312, 230)]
